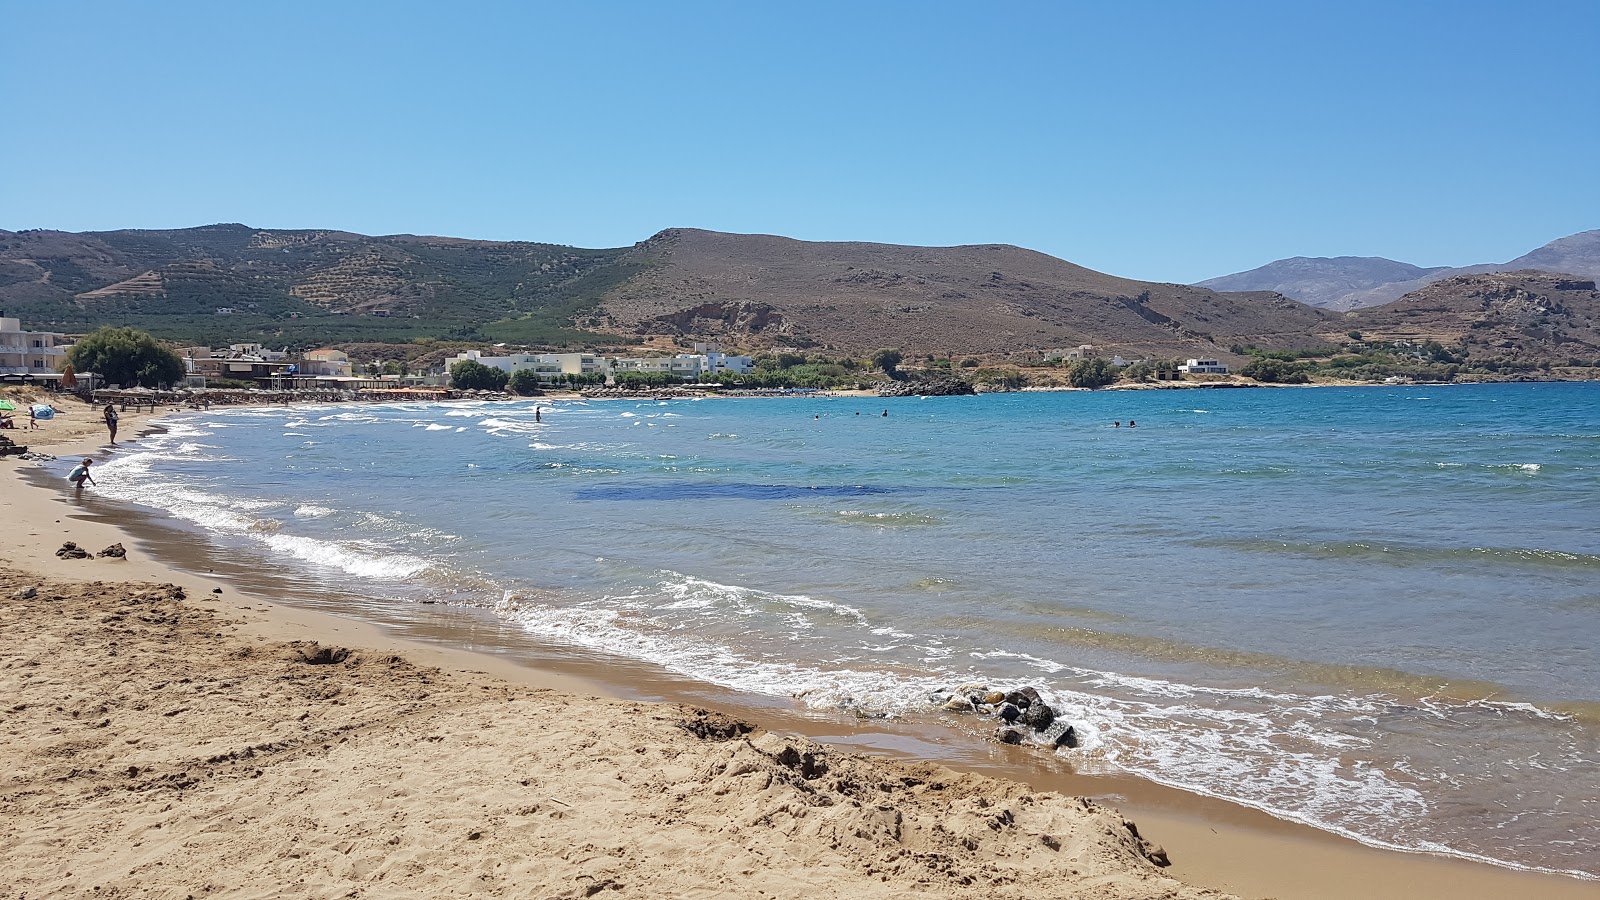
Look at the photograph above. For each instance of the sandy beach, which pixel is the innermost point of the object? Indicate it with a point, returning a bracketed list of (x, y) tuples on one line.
[(176, 732)]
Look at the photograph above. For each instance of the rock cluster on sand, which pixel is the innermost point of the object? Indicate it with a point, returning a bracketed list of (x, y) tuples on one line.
[(938, 387), (10, 448), (1022, 714), (70, 550)]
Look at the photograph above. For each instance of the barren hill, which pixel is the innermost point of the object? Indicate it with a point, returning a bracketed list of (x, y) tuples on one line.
[(1535, 316), (987, 298)]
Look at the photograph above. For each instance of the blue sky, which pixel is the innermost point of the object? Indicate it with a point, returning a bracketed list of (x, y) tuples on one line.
[(1163, 141)]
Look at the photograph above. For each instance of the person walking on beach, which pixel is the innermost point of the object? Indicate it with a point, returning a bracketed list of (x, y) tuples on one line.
[(80, 474), (111, 421)]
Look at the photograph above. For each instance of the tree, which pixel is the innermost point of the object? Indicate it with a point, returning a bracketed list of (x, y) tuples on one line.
[(1139, 371), (1278, 371), (1091, 373), (471, 375), (525, 382), (127, 356), (887, 359)]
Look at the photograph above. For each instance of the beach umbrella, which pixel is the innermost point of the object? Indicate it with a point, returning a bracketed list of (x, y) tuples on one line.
[(69, 378)]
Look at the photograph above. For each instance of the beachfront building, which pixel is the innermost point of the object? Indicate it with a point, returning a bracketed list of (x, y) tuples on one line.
[(1203, 367), (256, 351), (707, 360), (717, 362), (240, 362), (548, 366), (685, 366), (325, 362), (30, 353)]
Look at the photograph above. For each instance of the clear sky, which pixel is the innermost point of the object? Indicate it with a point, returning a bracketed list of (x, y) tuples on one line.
[(1164, 141)]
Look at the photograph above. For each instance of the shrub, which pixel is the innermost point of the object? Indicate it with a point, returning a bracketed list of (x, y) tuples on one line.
[(969, 363), (471, 375), (887, 359), (1273, 370), (525, 382), (1093, 372)]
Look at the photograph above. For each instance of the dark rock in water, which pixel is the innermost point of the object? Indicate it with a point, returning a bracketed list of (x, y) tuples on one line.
[(1038, 716), (1008, 735), (1067, 738), (1023, 698), (114, 551), (1008, 712)]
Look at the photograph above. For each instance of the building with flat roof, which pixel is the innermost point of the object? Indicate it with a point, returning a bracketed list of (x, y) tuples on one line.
[(30, 353)]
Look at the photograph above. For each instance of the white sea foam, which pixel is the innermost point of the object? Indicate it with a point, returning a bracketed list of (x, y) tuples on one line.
[(312, 511), (347, 557)]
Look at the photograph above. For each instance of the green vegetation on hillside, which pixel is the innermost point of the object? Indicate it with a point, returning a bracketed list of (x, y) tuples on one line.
[(305, 288)]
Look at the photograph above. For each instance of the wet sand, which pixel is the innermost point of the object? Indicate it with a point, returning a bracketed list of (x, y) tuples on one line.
[(1211, 843)]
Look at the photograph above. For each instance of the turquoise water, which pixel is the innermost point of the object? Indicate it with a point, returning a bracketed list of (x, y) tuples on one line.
[(1370, 610)]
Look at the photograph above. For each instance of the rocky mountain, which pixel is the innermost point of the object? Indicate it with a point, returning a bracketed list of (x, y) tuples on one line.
[(226, 283), (1528, 316), (1356, 282)]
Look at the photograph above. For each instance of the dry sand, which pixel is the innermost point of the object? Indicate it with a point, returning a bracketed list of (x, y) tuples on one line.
[(164, 740), (155, 750)]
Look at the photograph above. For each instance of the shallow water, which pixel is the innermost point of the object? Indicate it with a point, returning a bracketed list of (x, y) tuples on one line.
[(1370, 610)]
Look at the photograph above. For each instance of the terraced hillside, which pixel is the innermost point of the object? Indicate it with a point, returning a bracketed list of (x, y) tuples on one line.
[(309, 286)]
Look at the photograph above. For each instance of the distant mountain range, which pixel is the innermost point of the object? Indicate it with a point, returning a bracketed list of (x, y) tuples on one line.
[(223, 284), (1354, 282)]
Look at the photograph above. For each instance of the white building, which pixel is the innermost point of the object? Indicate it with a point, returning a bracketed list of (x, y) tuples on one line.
[(547, 365), (708, 360), (1203, 367), (717, 362), (256, 351), (30, 352), (687, 366)]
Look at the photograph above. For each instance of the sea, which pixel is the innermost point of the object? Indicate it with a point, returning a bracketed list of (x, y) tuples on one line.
[(1370, 610)]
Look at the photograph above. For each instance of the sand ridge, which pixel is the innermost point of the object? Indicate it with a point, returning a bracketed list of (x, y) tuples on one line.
[(158, 751)]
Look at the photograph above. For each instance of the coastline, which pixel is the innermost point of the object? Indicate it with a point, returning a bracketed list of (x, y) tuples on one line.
[(1213, 844)]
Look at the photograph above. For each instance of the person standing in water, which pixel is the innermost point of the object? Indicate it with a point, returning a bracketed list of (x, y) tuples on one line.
[(536, 415), (111, 421)]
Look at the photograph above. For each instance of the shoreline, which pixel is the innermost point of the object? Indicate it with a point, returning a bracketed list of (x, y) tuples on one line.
[(1213, 843)]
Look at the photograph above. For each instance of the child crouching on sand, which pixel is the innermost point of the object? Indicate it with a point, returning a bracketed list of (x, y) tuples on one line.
[(80, 474)]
